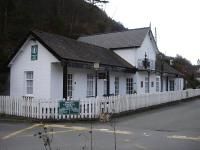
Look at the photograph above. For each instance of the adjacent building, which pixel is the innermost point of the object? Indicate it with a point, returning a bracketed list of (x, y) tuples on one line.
[(197, 72)]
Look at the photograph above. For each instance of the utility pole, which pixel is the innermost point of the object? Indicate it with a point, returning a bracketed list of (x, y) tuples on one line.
[(146, 65), (161, 74), (114, 128), (115, 137), (156, 35)]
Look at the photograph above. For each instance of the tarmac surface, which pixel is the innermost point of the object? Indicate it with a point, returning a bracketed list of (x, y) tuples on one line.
[(174, 127)]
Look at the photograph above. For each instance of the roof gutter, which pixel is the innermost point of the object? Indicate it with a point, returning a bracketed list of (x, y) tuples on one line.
[(65, 60), (124, 47)]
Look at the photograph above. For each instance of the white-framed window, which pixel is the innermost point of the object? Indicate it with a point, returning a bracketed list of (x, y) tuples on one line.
[(116, 85), (157, 85), (146, 85), (34, 52), (29, 82), (90, 85), (129, 86), (69, 85), (105, 86), (152, 84), (141, 84)]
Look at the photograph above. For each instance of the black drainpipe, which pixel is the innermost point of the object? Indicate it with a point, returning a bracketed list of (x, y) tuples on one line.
[(167, 80), (65, 80)]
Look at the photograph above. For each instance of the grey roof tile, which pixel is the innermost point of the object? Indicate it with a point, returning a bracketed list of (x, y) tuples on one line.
[(67, 48), (124, 39), (166, 68)]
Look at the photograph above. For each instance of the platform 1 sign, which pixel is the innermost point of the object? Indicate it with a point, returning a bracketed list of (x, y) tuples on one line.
[(69, 107)]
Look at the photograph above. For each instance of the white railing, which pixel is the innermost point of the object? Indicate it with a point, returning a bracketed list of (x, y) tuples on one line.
[(89, 107), (133, 102)]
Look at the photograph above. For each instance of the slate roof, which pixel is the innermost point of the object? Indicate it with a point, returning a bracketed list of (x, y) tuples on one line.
[(66, 48), (116, 40), (166, 68)]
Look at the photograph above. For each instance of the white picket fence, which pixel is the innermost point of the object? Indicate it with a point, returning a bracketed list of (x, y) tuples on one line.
[(89, 107), (45, 109)]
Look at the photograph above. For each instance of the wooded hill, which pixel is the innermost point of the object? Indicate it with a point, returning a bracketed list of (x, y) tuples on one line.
[(70, 18), (66, 17)]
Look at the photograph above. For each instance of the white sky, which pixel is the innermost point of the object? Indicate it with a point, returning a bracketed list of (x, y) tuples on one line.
[(177, 23)]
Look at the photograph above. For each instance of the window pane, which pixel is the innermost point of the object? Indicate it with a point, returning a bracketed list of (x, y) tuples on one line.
[(29, 75), (29, 83), (90, 82), (157, 84), (29, 90), (146, 85), (152, 84), (129, 86), (34, 52), (69, 85), (171, 85), (116, 85)]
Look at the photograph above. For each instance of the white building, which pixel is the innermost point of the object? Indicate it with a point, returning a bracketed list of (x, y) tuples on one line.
[(52, 66), (132, 46)]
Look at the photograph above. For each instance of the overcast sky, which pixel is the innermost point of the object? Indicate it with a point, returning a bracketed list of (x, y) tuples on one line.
[(177, 23)]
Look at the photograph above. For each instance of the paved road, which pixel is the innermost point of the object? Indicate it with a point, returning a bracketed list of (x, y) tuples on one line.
[(175, 127)]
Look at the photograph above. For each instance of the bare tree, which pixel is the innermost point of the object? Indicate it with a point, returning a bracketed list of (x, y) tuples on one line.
[(46, 138), (5, 7)]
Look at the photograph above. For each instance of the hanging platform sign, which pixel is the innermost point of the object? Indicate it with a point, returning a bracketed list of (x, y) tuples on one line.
[(34, 52), (69, 107)]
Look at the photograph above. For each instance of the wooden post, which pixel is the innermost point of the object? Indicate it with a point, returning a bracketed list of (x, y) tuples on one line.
[(65, 80), (96, 83)]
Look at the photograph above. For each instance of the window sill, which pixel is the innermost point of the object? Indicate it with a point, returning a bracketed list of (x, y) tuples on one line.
[(89, 96), (28, 96)]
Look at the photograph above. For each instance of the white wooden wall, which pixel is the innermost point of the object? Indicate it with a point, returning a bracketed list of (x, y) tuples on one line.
[(132, 55), (41, 70)]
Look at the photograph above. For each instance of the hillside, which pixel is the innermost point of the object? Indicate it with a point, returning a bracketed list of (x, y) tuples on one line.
[(66, 17), (70, 18)]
